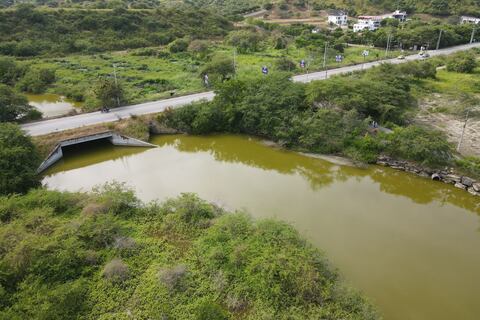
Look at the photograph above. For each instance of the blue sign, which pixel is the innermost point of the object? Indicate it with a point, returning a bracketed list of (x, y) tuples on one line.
[(264, 70), (338, 58), (302, 64)]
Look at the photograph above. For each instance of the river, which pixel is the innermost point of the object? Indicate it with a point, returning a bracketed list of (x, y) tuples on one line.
[(410, 244)]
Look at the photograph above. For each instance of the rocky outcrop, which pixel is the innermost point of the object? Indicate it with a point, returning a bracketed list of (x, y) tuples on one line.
[(446, 175)]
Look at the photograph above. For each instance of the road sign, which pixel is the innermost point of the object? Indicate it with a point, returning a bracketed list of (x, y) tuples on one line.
[(339, 58), (365, 53), (264, 70), (302, 64)]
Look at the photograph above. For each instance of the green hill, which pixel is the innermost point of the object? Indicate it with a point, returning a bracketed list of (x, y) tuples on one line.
[(436, 7)]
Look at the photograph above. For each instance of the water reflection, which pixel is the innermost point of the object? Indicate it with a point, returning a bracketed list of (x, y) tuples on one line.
[(52, 105), (322, 173)]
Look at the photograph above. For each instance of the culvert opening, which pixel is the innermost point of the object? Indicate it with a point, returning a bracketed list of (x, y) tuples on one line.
[(88, 146)]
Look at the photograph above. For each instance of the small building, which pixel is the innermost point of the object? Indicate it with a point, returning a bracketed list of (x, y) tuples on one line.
[(338, 17), (370, 24), (469, 20)]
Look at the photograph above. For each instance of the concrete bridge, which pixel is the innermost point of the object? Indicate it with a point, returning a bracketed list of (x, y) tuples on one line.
[(114, 138)]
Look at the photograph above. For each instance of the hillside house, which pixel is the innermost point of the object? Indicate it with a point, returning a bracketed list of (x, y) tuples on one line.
[(337, 17), (367, 23), (469, 20)]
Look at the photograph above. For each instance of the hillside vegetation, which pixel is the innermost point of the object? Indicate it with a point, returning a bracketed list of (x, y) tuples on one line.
[(436, 7), (105, 255), (28, 32)]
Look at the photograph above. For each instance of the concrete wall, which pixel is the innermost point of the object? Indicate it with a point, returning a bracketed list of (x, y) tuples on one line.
[(119, 140), (53, 157)]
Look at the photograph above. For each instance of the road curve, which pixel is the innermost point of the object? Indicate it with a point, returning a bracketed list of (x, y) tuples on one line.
[(87, 119)]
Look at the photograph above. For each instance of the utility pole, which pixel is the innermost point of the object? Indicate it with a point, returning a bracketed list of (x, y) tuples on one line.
[(325, 60), (473, 34), (235, 62), (439, 39), (389, 39), (116, 83), (463, 131)]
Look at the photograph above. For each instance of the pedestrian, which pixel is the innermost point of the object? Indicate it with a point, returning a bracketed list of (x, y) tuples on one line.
[(205, 80)]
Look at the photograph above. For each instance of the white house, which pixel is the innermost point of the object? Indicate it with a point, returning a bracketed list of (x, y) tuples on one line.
[(371, 24), (472, 20), (338, 18)]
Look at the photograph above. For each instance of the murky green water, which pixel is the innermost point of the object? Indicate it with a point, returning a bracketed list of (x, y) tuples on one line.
[(412, 245), (52, 105)]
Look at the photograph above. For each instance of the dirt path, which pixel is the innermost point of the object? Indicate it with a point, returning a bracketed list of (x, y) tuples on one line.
[(452, 125)]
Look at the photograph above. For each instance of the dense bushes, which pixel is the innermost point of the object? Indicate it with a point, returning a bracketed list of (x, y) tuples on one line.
[(14, 106), (244, 40), (36, 80), (469, 165), (189, 261), (29, 32), (10, 72), (425, 146), (464, 63), (219, 69), (19, 161)]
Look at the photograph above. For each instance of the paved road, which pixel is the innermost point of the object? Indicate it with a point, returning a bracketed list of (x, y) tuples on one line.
[(88, 119)]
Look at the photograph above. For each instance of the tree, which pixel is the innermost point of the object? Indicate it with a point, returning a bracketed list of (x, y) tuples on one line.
[(14, 106), (37, 80), (285, 64), (199, 48), (418, 144), (244, 40), (463, 63), (19, 160), (9, 71), (109, 93), (220, 67), (179, 45)]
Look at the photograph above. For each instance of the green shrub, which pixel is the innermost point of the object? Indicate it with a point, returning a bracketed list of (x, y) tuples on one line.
[(219, 69), (37, 80), (463, 63), (469, 165), (14, 106), (285, 64), (211, 311), (19, 161), (179, 45), (244, 40), (428, 147), (9, 71), (365, 149)]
